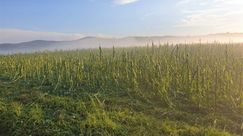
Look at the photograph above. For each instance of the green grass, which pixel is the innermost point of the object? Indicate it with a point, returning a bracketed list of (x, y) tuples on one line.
[(183, 90)]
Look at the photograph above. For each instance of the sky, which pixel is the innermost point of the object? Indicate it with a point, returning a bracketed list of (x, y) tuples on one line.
[(70, 19)]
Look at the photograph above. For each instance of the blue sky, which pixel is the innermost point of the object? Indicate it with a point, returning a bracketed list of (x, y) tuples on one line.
[(122, 17)]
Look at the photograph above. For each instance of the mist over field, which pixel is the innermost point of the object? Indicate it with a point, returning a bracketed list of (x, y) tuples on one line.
[(106, 42), (121, 68)]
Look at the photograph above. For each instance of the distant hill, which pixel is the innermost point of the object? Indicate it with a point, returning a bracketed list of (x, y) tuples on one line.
[(95, 42)]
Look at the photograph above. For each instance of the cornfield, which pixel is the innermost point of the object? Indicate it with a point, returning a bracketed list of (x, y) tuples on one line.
[(202, 80)]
